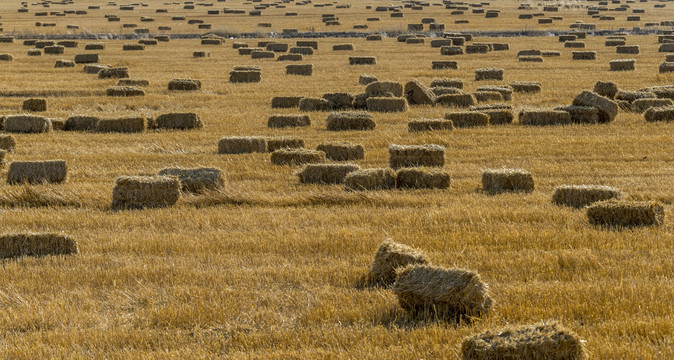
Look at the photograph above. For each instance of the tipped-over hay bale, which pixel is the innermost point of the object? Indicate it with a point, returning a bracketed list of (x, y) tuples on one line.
[(124, 91), (285, 102), (343, 47), (366, 79), (64, 64), (242, 145), (34, 105), (422, 178), (386, 104), (133, 82), (418, 93), (457, 100), (86, 58), (579, 196), (181, 121), (441, 293), (540, 341), (581, 114), (583, 55), (362, 60), (342, 151), (7, 143), (641, 105), (381, 88), (17, 245), (429, 125), (315, 104), (464, 119), (608, 109), (296, 156), (526, 87), (281, 121), (416, 155), (544, 117), (114, 73), (300, 69), (134, 192), (622, 65), (659, 114), (449, 83), (80, 123), (606, 89), (621, 213), (123, 125), (196, 180), (507, 180), (37, 172), (488, 74), (284, 142), (339, 101), (251, 75), (370, 179), (184, 84), (27, 124), (326, 173), (389, 258)]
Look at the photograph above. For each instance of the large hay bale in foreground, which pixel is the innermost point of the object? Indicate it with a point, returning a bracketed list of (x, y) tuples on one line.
[(606, 89), (124, 91), (326, 173), (113, 73), (285, 102), (464, 119), (370, 179), (548, 341), (416, 155), (315, 104), (621, 213), (507, 180), (489, 74), (184, 85), (659, 114), (579, 196), (281, 121), (441, 293), (608, 109), (27, 124), (137, 192), (34, 105), (422, 178), (429, 125), (418, 93), (17, 245), (7, 143), (544, 117), (242, 145), (391, 256), (386, 104), (384, 88), (349, 120), (37, 172), (342, 151), (284, 142), (196, 180), (181, 121), (80, 123), (641, 105), (122, 125), (297, 157)]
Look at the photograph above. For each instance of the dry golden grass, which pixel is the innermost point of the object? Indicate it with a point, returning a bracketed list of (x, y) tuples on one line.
[(268, 268)]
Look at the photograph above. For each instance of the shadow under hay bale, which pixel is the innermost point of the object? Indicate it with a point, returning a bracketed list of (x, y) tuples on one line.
[(282, 121), (113, 73), (18, 245), (284, 142), (346, 121), (608, 109), (416, 155), (391, 256), (242, 145), (621, 213), (422, 178), (496, 181), (80, 123), (124, 91), (465, 119), (184, 85), (326, 173), (27, 124), (137, 192), (579, 196), (544, 117), (315, 104), (182, 121), (370, 179), (285, 102), (441, 293), (386, 104), (122, 125), (37, 172), (297, 157), (419, 125), (540, 341), (196, 180), (659, 114), (36, 105)]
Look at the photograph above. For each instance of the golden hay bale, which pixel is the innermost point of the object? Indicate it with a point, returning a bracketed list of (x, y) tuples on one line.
[(429, 125), (361, 60), (386, 104), (196, 180), (86, 58), (627, 49), (418, 93), (583, 55), (284, 142), (133, 47), (94, 69), (439, 91), (211, 42), (37, 172), (530, 59), (122, 125), (262, 54), (326, 173), (416, 155), (342, 151), (245, 76), (464, 119), (308, 43), (80, 123), (366, 79), (574, 44), (641, 105), (7, 143), (381, 88), (499, 114), (201, 54), (579, 196), (451, 50), (296, 156), (489, 74), (300, 69), (27, 124), (444, 64), (285, 102), (608, 109), (113, 73), (544, 117), (17, 245), (507, 180), (456, 100), (54, 49), (540, 341), (422, 178), (477, 49), (277, 47), (124, 91), (34, 105), (181, 121), (631, 96), (659, 114), (314, 104), (606, 89), (391, 256), (343, 47), (137, 192), (441, 293), (505, 91), (666, 67), (621, 213), (526, 87), (339, 101), (184, 84), (242, 145), (301, 50), (488, 96), (133, 82), (622, 65), (614, 42), (281, 121), (289, 57), (64, 64), (370, 179), (581, 114), (34, 52), (95, 46)]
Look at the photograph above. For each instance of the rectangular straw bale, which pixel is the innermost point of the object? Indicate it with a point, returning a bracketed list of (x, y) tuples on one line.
[(489, 74), (464, 119), (418, 93), (64, 64), (7, 143), (27, 124), (384, 88), (526, 87), (497, 115), (389, 257), (114, 73), (281, 121), (124, 91), (666, 67), (245, 76), (488, 96), (122, 125), (34, 104), (641, 105), (443, 65), (326, 173), (95, 46), (445, 82), (344, 47), (370, 179), (544, 117), (314, 104), (289, 57), (37, 172), (416, 155), (296, 156), (507, 180), (583, 55), (365, 79), (339, 101), (362, 60), (581, 114), (623, 213), (86, 58), (622, 65), (579, 196), (451, 50), (439, 91), (284, 142), (137, 192), (80, 123), (627, 49), (606, 89), (184, 84), (285, 102), (659, 114), (387, 104), (341, 151), (133, 82), (196, 180), (300, 69), (608, 109), (457, 100), (181, 121), (30, 244), (301, 50), (418, 125), (94, 69), (422, 178), (242, 145)]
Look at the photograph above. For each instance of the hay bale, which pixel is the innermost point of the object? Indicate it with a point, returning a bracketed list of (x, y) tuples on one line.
[(133, 47), (666, 67), (182, 121), (94, 69), (477, 49), (326, 173), (7, 143), (622, 213), (300, 69), (574, 44), (419, 125), (540, 341), (464, 119), (196, 180), (622, 65), (505, 91), (80, 123), (18, 245), (550, 53), (416, 155), (124, 91), (345, 121), (277, 47), (86, 58), (488, 74), (438, 91), (422, 178), (386, 104), (37, 172), (343, 47), (122, 125), (285, 102), (391, 256), (499, 114), (530, 59), (641, 105), (342, 151), (583, 55), (632, 96), (64, 64), (487, 96), (95, 46), (362, 60), (27, 124), (339, 101), (579, 196), (289, 57), (34, 104), (418, 93), (627, 49), (366, 79), (507, 180), (259, 54), (184, 85), (456, 100), (315, 104), (248, 75), (381, 88), (114, 73), (443, 65), (451, 50), (211, 41), (581, 114), (659, 114), (441, 293), (53, 49), (201, 54), (526, 87), (136, 192), (544, 117), (606, 89), (608, 109), (296, 156), (133, 82), (242, 145), (370, 179), (281, 121), (34, 52), (284, 142), (445, 82)]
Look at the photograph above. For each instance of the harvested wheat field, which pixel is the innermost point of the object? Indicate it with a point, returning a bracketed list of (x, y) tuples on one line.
[(220, 207)]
